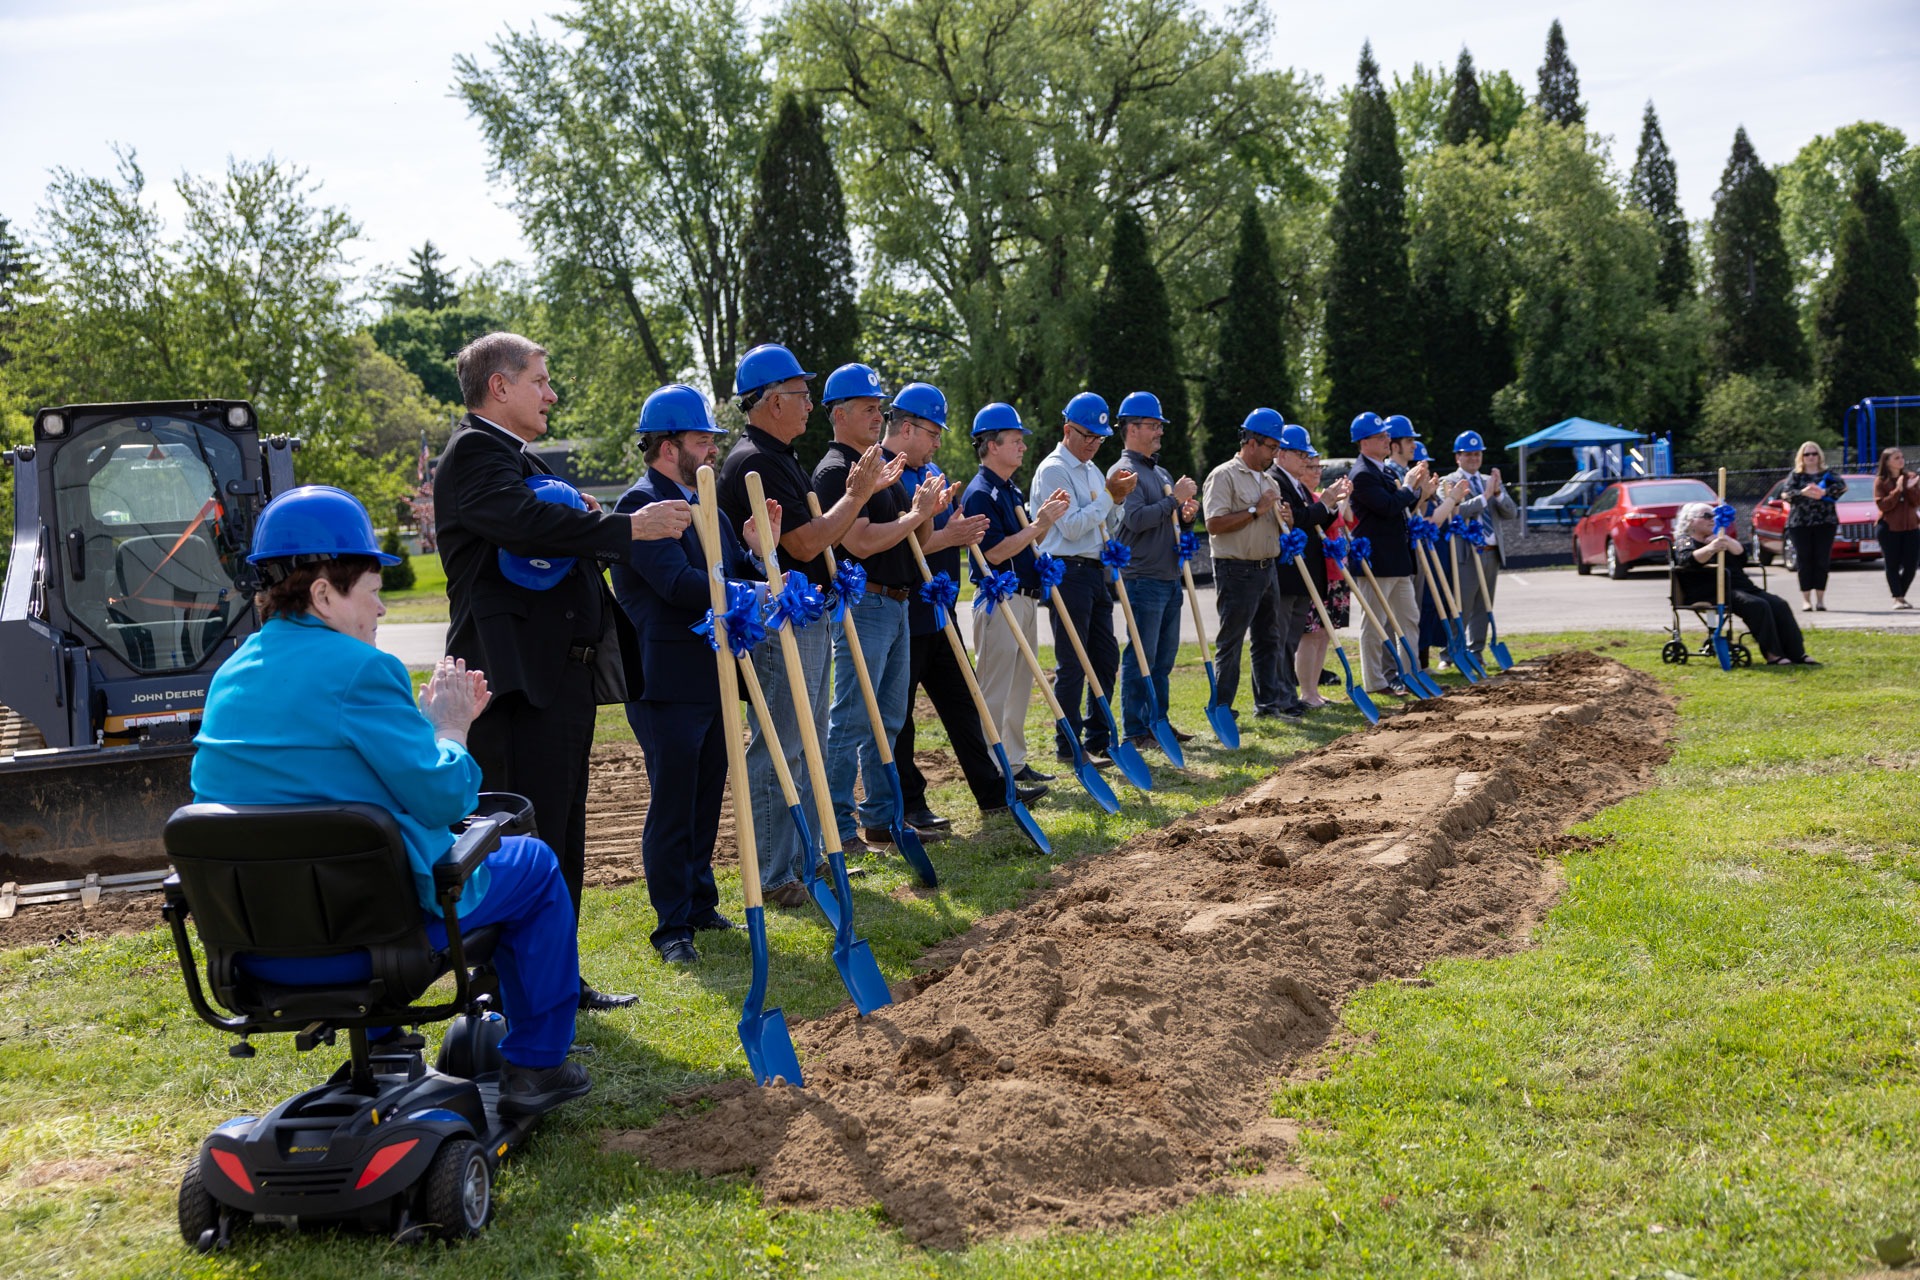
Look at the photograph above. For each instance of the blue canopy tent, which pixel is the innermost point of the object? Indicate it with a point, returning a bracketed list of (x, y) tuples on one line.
[(1572, 433)]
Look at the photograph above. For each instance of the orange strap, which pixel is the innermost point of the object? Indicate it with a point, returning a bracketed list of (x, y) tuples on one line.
[(212, 504)]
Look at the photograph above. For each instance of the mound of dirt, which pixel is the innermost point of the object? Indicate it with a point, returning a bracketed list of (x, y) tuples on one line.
[(1110, 1048)]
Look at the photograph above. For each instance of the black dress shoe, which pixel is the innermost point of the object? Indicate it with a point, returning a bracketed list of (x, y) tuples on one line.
[(1030, 774), (680, 951), (592, 1001), (1327, 677), (532, 1091), (716, 922), (925, 820), (1180, 736), (1028, 794)]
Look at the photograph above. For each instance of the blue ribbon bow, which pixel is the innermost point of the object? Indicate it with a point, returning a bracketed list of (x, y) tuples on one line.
[(851, 583), (742, 621), (1361, 549), (1419, 530), (943, 593), (1476, 534), (1336, 550), (1724, 517), (1116, 555), (1189, 546), (994, 588), (1051, 571), (1457, 527), (1293, 544), (800, 605)]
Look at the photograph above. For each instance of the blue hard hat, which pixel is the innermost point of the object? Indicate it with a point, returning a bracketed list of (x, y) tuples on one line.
[(998, 417), (1420, 453), (852, 382), (922, 400), (1265, 422), (1399, 427), (1141, 404), (1089, 412), (542, 573), (1294, 436), (316, 521), (674, 408), (765, 365), (1365, 425), (1469, 442)]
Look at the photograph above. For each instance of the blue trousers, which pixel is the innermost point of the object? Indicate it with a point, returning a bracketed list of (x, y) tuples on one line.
[(538, 956), (1144, 685), (686, 775), (774, 836), (1089, 601), (886, 641)]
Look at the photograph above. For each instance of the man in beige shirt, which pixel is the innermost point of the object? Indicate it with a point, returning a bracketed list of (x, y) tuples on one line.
[(1241, 502)]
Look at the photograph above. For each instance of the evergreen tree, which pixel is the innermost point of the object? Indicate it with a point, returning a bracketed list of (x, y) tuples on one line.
[(1751, 286), (1865, 330), (1371, 346), (16, 276), (799, 287), (1250, 367), (1131, 346), (1655, 187), (1467, 114), (1466, 356), (427, 287), (1560, 82)]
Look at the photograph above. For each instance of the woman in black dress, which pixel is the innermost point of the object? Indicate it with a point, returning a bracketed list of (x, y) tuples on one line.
[(1812, 494), (1696, 554)]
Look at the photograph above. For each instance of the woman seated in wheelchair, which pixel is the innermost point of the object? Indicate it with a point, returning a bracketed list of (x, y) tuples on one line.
[(309, 711), (1769, 618)]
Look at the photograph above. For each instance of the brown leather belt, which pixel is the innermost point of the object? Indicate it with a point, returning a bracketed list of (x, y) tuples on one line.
[(891, 593)]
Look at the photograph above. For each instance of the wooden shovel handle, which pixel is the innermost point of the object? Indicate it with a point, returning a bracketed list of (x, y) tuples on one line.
[(707, 523), (797, 685), (1319, 605), (1026, 650), (1061, 622), (1193, 593), (987, 725), (859, 655), (757, 699), (1720, 556), (1393, 623)]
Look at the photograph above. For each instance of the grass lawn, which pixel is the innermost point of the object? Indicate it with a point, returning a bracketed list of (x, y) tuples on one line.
[(426, 600), (1706, 1067)]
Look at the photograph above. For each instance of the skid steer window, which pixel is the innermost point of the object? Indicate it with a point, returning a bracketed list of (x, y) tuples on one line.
[(159, 567)]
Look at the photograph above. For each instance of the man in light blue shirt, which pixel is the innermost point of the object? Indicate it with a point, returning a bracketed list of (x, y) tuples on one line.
[(1093, 513)]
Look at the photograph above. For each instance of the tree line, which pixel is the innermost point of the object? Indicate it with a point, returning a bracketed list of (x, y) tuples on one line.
[(1018, 200)]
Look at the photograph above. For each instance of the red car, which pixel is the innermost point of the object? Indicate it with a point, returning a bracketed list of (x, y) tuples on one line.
[(1857, 538), (1619, 528)]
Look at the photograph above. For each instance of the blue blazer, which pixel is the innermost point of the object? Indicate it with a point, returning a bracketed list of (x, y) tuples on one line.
[(304, 714), (662, 588), (1380, 509)]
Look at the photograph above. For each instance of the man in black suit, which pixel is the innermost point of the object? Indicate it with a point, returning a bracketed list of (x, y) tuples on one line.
[(551, 654), (675, 710), (1380, 507)]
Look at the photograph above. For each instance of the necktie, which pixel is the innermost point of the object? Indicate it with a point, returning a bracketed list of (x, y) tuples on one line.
[(1479, 486)]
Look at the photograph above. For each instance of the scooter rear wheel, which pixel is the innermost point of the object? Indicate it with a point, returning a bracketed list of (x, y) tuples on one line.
[(456, 1196)]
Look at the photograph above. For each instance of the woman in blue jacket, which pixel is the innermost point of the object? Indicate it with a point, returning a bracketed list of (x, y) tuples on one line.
[(308, 711)]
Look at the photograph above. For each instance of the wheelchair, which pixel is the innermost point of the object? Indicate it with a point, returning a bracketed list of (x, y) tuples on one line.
[(1675, 651), (387, 1143)]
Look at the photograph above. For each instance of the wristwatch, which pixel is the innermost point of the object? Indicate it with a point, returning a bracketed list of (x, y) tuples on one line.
[(1253, 511)]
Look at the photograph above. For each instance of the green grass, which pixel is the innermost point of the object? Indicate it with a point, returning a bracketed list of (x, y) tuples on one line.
[(426, 600), (1716, 1037)]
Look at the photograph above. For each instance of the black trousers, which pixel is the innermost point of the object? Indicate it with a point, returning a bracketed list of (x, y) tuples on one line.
[(936, 670), (541, 753), (1089, 602), (1771, 621), (1249, 607), (1902, 550), (686, 755), (1813, 554)]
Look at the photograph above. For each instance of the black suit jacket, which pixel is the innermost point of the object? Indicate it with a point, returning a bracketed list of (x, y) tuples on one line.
[(662, 589), (1311, 515), (518, 636), (1380, 509)]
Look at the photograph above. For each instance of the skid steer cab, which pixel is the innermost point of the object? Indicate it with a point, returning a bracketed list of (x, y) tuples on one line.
[(127, 585)]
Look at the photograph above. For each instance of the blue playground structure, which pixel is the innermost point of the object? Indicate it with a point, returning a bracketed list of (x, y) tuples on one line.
[(1860, 437)]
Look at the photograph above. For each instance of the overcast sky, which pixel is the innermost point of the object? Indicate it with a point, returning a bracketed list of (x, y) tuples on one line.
[(357, 91)]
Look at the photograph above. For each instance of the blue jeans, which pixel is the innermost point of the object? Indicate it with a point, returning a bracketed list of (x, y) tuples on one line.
[(778, 844), (887, 644), (1156, 607)]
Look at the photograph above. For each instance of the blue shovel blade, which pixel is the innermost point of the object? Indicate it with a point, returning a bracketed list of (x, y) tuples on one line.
[(1499, 651), (1125, 756), (1461, 658), (817, 887), (1355, 692), (763, 1032), (905, 838), (1721, 648), (1419, 681), (1225, 727), (1095, 785), (1163, 734), (859, 971), (1017, 809)]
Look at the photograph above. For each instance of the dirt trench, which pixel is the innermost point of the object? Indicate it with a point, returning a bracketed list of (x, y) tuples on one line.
[(1110, 1048)]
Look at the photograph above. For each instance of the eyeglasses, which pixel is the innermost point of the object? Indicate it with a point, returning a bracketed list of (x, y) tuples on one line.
[(1809, 453), (804, 395)]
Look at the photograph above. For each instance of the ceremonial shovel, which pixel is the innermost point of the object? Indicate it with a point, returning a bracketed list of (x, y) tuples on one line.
[(1494, 646), (763, 1032), (1408, 678), (1456, 530), (859, 971), (1410, 671), (987, 726), (1722, 647), (1225, 727), (1292, 546), (1162, 728), (905, 838), (1125, 756), (1090, 779), (1436, 584)]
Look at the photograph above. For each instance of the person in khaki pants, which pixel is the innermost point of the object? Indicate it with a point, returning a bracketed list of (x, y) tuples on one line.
[(1006, 682)]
